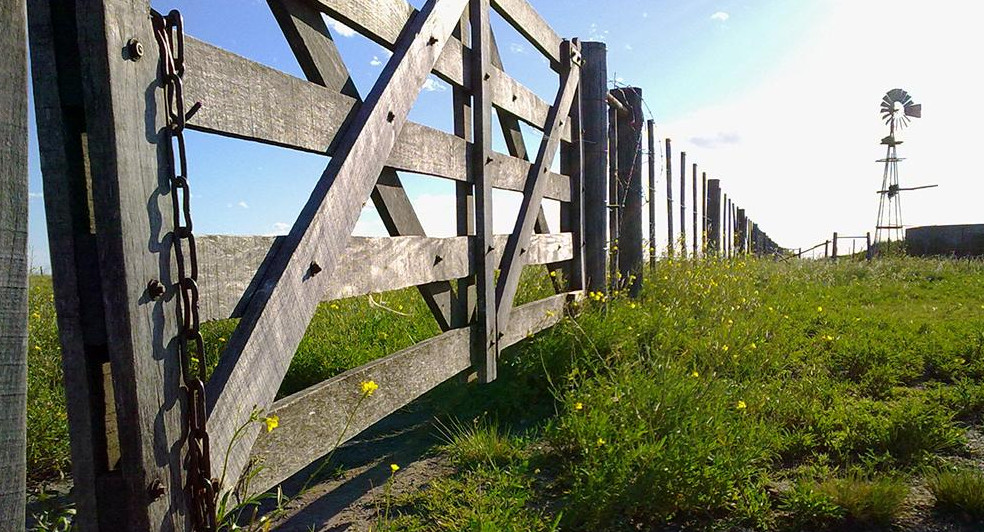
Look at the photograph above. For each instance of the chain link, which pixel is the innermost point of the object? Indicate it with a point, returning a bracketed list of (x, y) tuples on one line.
[(169, 34)]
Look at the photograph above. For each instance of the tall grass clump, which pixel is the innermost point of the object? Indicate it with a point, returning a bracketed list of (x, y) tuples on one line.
[(960, 493)]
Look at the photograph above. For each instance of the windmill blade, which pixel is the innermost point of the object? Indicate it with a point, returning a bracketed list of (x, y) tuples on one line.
[(914, 110), (896, 95), (904, 98)]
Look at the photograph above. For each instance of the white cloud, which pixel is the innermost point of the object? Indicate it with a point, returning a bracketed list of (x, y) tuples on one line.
[(243, 204), (628, 47), (339, 28), (645, 14), (720, 15), (432, 84), (375, 61), (281, 227), (595, 34), (35, 195), (517, 48)]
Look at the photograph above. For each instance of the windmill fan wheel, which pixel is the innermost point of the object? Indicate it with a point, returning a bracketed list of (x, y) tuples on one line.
[(897, 108)]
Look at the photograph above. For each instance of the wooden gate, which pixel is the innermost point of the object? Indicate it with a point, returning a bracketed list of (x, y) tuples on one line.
[(101, 119)]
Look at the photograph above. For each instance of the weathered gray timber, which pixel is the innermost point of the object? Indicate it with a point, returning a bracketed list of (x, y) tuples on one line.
[(741, 225), (572, 212), (122, 381), (669, 200), (703, 210), (230, 265), (484, 340), (594, 88), (260, 350), (833, 248), (531, 25), (714, 216), (13, 264), (616, 195), (630, 175), (311, 43), (697, 237), (311, 421), (683, 204), (514, 257)]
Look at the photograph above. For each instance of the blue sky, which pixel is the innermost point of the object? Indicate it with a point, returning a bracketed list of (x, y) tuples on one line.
[(732, 82)]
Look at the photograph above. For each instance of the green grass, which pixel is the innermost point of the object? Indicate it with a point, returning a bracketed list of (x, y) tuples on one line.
[(959, 492), (771, 396)]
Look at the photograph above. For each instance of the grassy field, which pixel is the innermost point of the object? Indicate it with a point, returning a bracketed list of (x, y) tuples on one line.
[(744, 393)]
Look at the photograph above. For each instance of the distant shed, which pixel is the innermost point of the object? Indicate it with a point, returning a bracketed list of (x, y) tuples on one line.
[(950, 240)]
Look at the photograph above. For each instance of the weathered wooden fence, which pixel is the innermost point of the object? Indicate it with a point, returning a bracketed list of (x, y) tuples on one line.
[(115, 85), (108, 133)]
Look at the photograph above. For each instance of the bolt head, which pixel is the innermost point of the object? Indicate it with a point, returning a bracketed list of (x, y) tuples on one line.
[(155, 289), (134, 49)]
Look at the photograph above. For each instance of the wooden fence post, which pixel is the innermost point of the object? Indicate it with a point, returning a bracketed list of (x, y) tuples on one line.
[(126, 406), (740, 225), (703, 210), (834, 247), (669, 200), (630, 175), (13, 264), (714, 216), (696, 234), (650, 134), (683, 204), (724, 225), (868, 253), (594, 87)]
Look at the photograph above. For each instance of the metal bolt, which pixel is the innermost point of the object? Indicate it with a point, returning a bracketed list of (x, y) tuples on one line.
[(155, 289), (134, 50), (314, 268), (156, 489)]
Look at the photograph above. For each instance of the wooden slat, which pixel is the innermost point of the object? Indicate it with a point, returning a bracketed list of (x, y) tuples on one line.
[(312, 420), (514, 98), (245, 99), (314, 49), (513, 259), (59, 116), (484, 338), (13, 263), (260, 350), (144, 414), (531, 25), (370, 265)]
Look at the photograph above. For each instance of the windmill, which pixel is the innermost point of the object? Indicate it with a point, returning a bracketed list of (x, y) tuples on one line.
[(897, 108)]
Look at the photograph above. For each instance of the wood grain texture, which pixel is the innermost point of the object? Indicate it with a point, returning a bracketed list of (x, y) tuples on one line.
[(513, 258), (531, 25), (131, 219), (260, 350), (370, 265), (13, 264), (311, 42), (594, 87), (59, 117), (312, 420), (630, 178)]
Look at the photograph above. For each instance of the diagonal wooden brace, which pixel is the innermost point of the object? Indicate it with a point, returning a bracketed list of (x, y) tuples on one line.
[(260, 350), (513, 258), (311, 42)]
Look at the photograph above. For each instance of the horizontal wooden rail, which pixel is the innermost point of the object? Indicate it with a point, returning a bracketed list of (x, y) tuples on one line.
[(246, 100), (231, 266), (313, 420), (531, 25)]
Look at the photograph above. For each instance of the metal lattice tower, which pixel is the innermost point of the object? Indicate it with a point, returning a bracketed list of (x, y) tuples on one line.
[(896, 109)]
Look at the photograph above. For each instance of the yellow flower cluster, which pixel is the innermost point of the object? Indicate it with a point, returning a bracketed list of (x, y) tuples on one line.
[(271, 422), (368, 387), (597, 296)]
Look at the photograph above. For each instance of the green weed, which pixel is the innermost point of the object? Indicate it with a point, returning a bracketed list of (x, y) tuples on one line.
[(959, 492)]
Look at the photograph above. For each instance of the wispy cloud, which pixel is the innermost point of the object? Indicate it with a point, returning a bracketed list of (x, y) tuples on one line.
[(720, 15), (596, 34), (629, 47), (721, 138), (281, 227), (375, 61), (433, 85), (339, 28), (517, 48), (243, 204)]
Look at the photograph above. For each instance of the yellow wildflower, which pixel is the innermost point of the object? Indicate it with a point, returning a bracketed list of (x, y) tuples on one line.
[(601, 441), (752, 346), (553, 273), (819, 309), (724, 348), (334, 306), (272, 422), (741, 405), (36, 316), (695, 374), (368, 387), (394, 468), (578, 406), (222, 339)]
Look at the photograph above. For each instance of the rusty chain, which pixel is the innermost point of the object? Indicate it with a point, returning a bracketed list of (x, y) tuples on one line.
[(201, 487)]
